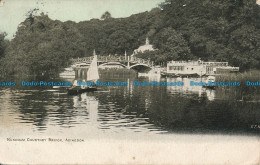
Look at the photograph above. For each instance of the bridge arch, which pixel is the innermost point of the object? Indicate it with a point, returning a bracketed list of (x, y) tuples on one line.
[(141, 67), (111, 63)]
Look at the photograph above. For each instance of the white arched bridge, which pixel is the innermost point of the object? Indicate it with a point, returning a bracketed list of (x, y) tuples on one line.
[(81, 65), (138, 64)]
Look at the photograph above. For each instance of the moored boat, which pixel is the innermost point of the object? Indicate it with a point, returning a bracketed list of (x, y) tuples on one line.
[(210, 83), (92, 75), (78, 90)]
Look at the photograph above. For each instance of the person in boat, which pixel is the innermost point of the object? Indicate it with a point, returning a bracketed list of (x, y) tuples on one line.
[(92, 75)]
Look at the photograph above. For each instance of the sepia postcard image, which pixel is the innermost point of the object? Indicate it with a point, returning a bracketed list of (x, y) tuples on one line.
[(173, 82)]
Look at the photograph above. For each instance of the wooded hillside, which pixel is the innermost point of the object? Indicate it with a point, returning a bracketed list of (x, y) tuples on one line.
[(220, 30)]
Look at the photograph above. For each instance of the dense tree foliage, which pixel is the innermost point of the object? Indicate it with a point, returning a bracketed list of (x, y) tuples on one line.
[(1, 45), (221, 30)]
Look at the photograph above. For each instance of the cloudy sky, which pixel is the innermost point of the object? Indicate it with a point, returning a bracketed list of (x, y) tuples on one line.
[(13, 12)]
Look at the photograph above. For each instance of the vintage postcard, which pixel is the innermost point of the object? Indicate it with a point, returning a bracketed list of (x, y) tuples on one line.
[(130, 82)]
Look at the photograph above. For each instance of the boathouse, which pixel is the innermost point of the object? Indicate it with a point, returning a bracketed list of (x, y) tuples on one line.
[(199, 68), (186, 68)]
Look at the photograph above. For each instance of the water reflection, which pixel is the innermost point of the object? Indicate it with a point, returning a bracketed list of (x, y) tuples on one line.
[(146, 109), (188, 89)]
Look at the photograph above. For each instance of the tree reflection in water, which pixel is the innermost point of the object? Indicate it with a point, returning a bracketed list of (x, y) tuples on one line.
[(147, 109)]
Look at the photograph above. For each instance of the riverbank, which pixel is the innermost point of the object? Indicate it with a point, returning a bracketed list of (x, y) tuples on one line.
[(246, 91)]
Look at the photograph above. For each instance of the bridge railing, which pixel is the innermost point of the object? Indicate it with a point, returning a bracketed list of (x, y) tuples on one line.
[(141, 61), (84, 59), (114, 59)]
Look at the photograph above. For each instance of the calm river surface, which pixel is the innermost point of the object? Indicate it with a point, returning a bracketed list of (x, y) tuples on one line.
[(128, 111)]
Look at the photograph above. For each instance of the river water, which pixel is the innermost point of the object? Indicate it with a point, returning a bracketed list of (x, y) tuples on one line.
[(128, 110), (129, 124)]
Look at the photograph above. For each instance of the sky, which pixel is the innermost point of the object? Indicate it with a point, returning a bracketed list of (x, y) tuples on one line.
[(13, 12)]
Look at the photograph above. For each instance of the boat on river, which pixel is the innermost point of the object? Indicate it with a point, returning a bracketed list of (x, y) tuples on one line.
[(78, 90), (210, 80), (92, 76)]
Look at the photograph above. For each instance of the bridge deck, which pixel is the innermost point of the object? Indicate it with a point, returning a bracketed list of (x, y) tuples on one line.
[(120, 59)]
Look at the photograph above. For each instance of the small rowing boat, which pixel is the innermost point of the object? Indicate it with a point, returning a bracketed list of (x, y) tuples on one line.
[(210, 80), (92, 75)]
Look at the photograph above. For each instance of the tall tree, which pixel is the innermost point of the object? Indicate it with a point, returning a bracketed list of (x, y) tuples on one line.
[(106, 15), (2, 44)]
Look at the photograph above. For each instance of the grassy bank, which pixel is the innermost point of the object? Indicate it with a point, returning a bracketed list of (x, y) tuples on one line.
[(244, 92)]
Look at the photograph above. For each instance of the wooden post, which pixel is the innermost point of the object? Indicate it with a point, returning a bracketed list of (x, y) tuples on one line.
[(128, 63), (125, 55)]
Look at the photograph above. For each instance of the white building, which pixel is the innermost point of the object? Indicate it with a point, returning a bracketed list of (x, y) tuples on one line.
[(186, 68), (143, 48), (198, 68)]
